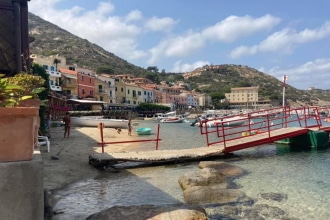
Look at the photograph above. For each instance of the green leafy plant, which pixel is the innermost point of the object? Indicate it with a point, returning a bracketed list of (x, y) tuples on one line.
[(18, 88)]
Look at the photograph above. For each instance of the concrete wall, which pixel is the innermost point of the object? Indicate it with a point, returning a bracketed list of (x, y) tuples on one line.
[(21, 189)]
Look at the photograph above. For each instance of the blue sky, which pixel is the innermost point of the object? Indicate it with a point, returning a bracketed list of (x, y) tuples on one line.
[(277, 37)]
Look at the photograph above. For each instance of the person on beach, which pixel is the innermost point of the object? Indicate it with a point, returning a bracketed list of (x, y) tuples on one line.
[(67, 124), (129, 127)]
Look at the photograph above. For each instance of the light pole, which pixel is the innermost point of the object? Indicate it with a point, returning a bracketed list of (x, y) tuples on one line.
[(283, 104), (284, 81)]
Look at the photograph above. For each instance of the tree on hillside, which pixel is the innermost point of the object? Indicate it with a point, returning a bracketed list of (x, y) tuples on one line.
[(153, 69), (56, 62), (104, 69), (216, 98)]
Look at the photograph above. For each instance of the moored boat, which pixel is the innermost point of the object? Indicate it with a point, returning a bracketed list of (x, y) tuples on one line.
[(225, 122), (170, 117), (143, 131), (172, 120), (94, 122)]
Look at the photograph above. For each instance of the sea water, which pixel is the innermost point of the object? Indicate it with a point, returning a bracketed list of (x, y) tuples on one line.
[(303, 176)]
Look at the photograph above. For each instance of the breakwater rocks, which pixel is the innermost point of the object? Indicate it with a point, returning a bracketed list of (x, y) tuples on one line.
[(151, 212), (209, 194), (212, 187)]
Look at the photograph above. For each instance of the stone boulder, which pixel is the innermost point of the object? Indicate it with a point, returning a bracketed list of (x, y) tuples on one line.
[(202, 177), (198, 195), (151, 212), (223, 167)]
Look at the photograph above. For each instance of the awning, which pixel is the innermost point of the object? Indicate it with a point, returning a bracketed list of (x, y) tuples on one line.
[(69, 76), (84, 101)]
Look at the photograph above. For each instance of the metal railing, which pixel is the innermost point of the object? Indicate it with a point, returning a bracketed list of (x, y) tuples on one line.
[(232, 127)]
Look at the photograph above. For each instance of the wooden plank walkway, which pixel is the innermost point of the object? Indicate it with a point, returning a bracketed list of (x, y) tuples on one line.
[(156, 156)]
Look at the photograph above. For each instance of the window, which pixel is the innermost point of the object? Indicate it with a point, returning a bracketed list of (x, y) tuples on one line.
[(91, 92), (52, 68), (127, 91), (139, 93), (82, 78), (45, 67), (83, 91), (90, 80), (122, 89), (100, 88)]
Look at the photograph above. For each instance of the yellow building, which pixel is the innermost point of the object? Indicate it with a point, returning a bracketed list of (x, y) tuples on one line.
[(105, 88), (120, 91), (69, 83), (134, 94), (243, 97)]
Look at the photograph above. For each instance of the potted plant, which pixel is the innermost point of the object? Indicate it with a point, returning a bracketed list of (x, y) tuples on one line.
[(19, 121)]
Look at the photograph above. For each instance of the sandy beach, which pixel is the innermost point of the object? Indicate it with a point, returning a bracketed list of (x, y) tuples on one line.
[(73, 153)]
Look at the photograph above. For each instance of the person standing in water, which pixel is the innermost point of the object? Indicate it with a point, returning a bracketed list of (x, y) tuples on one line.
[(67, 124)]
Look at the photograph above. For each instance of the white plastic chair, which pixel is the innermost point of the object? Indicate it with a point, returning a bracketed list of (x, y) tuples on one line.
[(43, 140)]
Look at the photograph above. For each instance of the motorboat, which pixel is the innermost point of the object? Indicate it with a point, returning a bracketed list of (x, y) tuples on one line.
[(170, 117), (94, 122), (173, 119), (143, 131), (224, 122)]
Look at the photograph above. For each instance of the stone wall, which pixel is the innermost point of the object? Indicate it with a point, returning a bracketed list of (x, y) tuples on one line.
[(21, 187)]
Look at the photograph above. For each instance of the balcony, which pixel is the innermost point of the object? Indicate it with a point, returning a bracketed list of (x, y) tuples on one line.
[(55, 88), (111, 86), (53, 73), (103, 91), (69, 84)]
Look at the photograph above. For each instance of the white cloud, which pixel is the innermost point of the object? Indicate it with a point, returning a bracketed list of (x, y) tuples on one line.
[(230, 29), (160, 24), (284, 41), (176, 47), (186, 67), (135, 15), (313, 73), (234, 27)]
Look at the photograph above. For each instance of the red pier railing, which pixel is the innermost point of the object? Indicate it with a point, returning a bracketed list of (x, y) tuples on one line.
[(103, 143), (234, 127)]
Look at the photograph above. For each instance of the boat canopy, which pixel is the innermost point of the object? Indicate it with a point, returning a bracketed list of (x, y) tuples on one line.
[(84, 101)]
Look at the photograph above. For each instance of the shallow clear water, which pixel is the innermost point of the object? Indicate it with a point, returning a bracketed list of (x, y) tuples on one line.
[(302, 175)]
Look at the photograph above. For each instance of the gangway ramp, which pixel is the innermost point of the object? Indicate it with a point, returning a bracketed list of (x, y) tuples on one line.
[(157, 156), (160, 156), (263, 138)]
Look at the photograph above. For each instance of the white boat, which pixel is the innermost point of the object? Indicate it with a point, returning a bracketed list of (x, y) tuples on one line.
[(263, 115), (170, 117), (226, 122), (94, 122)]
